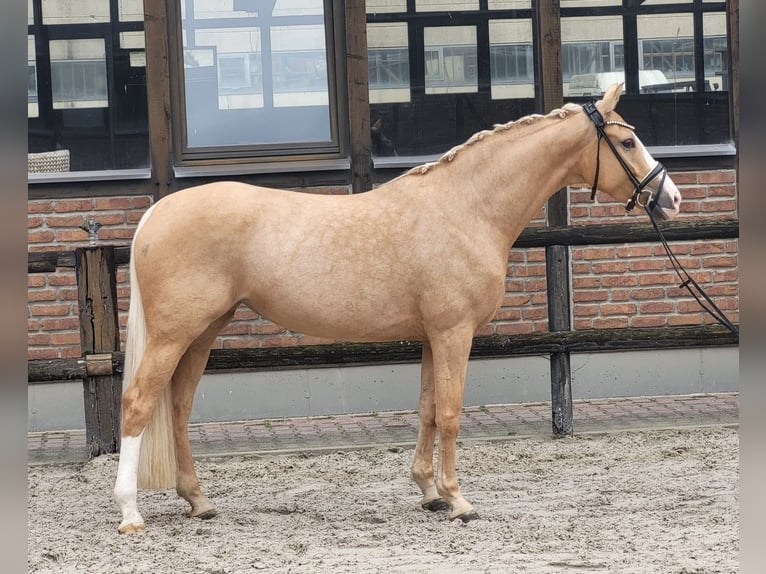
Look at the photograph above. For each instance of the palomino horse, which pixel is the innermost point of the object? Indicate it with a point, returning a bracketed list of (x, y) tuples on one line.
[(423, 257)]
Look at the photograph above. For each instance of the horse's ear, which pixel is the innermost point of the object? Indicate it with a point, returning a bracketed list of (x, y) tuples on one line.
[(610, 99)]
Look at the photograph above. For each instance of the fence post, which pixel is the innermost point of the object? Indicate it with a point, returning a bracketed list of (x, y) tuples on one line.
[(548, 20), (99, 334)]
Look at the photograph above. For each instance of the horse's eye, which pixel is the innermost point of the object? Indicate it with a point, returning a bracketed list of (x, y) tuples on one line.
[(628, 143)]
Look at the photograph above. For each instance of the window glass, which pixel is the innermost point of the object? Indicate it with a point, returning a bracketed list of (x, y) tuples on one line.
[(675, 72), (255, 75), (58, 12), (591, 54), (86, 92), (450, 59), (441, 71), (32, 109), (589, 3), (666, 49), (78, 74), (445, 5), (716, 52), (388, 62), (386, 6), (511, 59), (509, 4)]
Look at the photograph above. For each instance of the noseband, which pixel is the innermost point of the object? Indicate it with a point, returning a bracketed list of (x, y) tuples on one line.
[(641, 196)]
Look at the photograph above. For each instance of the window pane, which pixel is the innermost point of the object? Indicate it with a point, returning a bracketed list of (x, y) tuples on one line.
[(86, 92), (386, 6), (509, 4), (511, 59), (259, 80), (666, 48), (445, 5), (58, 12), (716, 52), (589, 3), (450, 59), (131, 10), (32, 108), (78, 74), (388, 63), (591, 54)]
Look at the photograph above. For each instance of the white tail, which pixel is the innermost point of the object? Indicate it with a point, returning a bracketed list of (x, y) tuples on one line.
[(157, 461)]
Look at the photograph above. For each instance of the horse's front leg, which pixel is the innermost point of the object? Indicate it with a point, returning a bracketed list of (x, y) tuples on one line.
[(450, 362), (423, 464)]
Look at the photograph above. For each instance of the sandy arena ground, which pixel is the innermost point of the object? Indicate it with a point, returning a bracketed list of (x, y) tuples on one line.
[(633, 502)]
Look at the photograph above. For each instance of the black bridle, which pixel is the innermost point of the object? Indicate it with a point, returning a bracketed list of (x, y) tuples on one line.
[(648, 200)]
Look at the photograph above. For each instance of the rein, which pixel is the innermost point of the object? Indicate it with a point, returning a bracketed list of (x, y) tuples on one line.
[(687, 281)]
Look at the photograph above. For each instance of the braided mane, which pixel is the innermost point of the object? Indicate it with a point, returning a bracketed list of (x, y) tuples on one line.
[(526, 121)]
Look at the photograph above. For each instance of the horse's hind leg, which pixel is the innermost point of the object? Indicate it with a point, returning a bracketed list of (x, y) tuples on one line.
[(138, 403), (423, 464), (185, 380)]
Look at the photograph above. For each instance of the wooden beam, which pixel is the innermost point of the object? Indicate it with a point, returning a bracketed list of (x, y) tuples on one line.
[(158, 95), (99, 334), (487, 346), (358, 96)]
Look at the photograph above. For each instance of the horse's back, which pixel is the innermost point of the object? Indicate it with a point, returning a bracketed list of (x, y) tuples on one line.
[(337, 266)]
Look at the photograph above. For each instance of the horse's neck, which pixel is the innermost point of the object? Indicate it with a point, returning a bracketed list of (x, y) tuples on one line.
[(508, 177)]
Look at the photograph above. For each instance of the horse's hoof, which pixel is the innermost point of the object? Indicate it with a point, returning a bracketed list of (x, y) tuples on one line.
[(437, 505), (206, 515), (139, 528), (466, 516)]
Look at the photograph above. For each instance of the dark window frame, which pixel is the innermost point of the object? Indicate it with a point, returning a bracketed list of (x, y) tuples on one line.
[(195, 161)]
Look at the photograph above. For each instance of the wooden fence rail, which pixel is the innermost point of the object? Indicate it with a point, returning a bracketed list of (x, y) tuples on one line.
[(100, 366)]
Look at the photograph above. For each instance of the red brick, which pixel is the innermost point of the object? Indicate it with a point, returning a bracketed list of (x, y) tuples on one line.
[(620, 280), (589, 296), (38, 339), (648, 293), (60, 324), (116, 233), (631, 251), (65, 338), (504, 314), (71, 235), (62, 278), (586, 310), (534, 313), (107, 203), (599, 253), (64, 220), (513, 328), (609, 267), (516, 300), (39, 206), (693, 192), (657, 279), (655, 307), (41, 295), (42, 310), (41, 354), (72, 352), (34, 221), (722, 191), (36, 280), (67, 205), (647, 321), (647, 265), (684, 177), (610, 323), (618, 309), (723, 206), (716, 176), (720, 261), (40, 236)]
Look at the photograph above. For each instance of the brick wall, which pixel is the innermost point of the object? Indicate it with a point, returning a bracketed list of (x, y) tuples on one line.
[(628, 285)]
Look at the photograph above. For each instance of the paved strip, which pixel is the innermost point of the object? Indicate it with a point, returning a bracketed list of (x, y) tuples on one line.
[(399, 428)]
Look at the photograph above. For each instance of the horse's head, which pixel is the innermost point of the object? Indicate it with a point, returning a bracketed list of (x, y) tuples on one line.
[(623, 167)]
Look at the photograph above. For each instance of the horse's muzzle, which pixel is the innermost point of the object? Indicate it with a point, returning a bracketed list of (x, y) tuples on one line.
[(661, 197)]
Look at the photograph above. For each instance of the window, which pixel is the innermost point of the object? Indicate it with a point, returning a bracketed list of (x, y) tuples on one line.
[(258, 80), (442, 70), (86, 91), (673, 59)]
